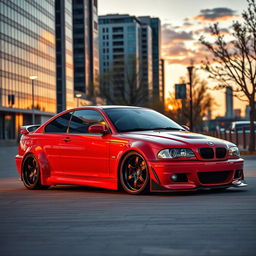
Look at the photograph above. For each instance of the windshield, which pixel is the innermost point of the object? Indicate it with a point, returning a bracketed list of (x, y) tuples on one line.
[(139, 119)]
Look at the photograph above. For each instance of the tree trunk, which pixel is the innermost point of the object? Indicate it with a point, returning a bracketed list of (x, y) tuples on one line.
[(252, 126)]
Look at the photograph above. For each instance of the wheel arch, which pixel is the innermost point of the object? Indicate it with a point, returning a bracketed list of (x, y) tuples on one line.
[(138, 148), (44, 166)]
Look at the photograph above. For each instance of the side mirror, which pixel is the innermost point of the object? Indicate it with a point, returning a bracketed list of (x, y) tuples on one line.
[(185, 127), (98, 129)]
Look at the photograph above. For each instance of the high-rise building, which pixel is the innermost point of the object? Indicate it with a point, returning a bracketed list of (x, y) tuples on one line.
[(120, 58), (27, 64), (155, 25), (64, 55), (85, 45), (161, 83), (146, 64), (229, 102), (36, 59)]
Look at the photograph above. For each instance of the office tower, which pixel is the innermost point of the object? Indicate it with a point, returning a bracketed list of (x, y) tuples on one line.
[(155, 25), (229, 102), (27, 64), (85, 45), (146, 64), (161, 82), (120, 57), (64, 55)]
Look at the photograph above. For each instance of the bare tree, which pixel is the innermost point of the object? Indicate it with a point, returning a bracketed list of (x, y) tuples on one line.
[(127, 88), (203, 102), (234, 62)]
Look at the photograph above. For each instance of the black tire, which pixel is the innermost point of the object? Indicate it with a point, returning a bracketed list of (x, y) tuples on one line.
[(134, 174), (30, 173)]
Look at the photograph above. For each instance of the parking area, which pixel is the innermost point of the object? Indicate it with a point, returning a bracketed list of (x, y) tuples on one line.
[(75, 220)]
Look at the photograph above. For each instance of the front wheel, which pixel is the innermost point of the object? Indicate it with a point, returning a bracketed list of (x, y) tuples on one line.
[(31, 173), (134, 174)]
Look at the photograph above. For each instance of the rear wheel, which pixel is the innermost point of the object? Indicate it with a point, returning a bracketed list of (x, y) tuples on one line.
[(134, 174), (31, 173)]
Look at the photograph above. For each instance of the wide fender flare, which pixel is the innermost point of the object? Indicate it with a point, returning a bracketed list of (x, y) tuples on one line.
[(145, 150), (45, 169)]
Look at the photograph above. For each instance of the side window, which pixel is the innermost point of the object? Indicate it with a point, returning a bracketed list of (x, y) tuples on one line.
[(59, 125), (82, 119)]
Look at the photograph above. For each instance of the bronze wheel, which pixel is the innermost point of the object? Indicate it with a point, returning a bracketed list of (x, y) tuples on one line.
[(134, 174)]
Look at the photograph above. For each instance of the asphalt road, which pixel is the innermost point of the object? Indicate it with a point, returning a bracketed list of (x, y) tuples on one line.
[(72, 220)]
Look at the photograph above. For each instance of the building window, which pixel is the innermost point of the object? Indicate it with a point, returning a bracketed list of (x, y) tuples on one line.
[(118, 36), (117, 29), (131, 29), (131, 36), (118, 50), (118, 43)]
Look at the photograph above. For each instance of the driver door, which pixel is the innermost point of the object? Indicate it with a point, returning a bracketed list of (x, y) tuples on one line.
[(84, 154)]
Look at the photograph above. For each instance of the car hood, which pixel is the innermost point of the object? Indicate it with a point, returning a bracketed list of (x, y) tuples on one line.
[(177, 138)]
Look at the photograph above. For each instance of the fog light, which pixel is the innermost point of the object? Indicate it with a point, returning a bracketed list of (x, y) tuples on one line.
[(174, 177)]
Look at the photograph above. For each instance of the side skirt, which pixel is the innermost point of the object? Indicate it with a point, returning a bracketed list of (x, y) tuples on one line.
[(108, 183)]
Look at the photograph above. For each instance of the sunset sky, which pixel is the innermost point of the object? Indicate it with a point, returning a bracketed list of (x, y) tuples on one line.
[(183, 22)]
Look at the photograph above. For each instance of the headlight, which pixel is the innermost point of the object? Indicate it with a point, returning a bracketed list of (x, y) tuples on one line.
[(176, 153), (233, 151)]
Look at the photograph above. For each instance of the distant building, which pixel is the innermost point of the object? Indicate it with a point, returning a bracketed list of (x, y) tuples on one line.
[(64, 55), (120, 52), (161, 83), (85, 45), (126, 40), (146, 63), (229, 102), (27, 48), (237, 113), (247, 112), (155, 25)]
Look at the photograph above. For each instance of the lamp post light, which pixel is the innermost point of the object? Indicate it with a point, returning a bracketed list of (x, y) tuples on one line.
[(190, 73), (77, 96), (33, 78)]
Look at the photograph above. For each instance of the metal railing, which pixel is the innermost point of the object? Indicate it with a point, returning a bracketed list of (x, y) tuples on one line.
[(240, 137)]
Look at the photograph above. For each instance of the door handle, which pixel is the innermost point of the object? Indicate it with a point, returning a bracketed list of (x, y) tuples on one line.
[(66, 139)]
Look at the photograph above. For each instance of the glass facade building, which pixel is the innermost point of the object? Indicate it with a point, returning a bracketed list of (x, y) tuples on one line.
[(27, 48), (86, 47), (64, 55)]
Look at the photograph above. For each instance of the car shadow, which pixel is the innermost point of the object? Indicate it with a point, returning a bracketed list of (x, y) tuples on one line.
[(74, 188)]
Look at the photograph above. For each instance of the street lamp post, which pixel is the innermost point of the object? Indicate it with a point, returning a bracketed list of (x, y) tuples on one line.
[(33, 78), (77, 96), (190, 73)]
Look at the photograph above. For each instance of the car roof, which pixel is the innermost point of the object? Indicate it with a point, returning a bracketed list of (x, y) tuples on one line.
[(114, 106), (104, 107)]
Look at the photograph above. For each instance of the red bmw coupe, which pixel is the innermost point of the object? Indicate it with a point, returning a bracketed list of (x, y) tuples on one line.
[(133, 148)]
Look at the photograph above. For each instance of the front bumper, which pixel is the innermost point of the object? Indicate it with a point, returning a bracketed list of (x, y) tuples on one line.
[(162, 171)]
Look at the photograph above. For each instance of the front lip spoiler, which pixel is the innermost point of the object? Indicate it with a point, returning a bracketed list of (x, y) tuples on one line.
[(239, 183), (235, 184)]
